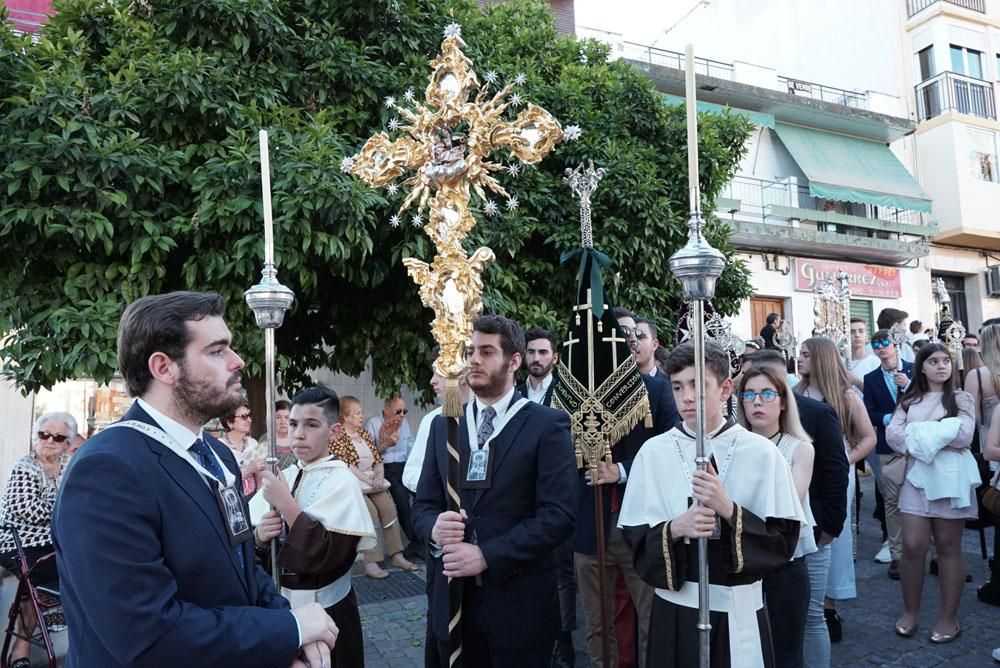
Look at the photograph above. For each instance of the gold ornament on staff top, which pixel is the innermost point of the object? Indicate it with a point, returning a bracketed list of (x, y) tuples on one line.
[(450, 140)]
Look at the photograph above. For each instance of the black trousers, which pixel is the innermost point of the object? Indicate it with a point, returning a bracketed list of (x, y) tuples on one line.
[(786, 594), (349, 652), (400, 497)]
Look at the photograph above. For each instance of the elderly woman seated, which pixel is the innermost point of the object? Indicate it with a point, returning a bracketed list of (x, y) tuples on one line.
[(27, 506), (355, 447)]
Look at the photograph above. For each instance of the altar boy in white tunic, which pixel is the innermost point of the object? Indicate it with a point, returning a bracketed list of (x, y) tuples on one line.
[(750, 512), (322, 515)]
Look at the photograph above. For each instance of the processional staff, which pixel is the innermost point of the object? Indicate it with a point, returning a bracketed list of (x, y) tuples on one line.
[(698, 266), (446, 167), (269, 300)]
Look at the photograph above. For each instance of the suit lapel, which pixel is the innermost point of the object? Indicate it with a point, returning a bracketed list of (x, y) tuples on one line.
[(193, 485), (501, 446)]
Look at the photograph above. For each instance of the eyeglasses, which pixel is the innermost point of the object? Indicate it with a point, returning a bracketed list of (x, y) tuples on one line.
[(243, 416), (767, 396), (636, 332), (57, 438), (402, 411), (884, 343)]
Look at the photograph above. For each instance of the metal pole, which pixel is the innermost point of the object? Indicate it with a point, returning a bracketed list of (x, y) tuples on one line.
[(602, 567), (272, 457), (704, 623)]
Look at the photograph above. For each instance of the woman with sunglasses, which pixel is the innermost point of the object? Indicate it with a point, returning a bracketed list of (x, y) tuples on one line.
[(767, 408), (248, 452), (27, 506), (823, 377), (930, 399)]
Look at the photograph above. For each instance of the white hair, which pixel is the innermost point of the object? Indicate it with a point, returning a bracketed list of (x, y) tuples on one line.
[(55, 416)]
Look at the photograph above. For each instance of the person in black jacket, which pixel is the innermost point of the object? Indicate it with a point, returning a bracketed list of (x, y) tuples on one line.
[(828, 501)]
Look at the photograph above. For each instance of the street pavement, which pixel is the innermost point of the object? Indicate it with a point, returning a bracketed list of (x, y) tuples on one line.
[(394, 623)]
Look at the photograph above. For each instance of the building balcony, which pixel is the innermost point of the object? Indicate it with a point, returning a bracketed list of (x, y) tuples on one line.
[(914, 6), (950, 91), (782, 216)]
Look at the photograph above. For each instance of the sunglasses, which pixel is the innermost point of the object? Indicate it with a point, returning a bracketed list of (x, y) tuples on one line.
[(243, 416), (884, 343), (402, 411), (767, 396), (57, 438)]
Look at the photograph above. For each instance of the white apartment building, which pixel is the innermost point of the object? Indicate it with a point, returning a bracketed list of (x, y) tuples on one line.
[(841, 172)]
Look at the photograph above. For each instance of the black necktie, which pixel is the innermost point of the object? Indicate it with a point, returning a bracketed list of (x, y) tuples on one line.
[(203, 455)]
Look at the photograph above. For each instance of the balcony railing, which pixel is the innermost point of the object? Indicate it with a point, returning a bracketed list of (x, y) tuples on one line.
[(24, 21), (914, 6), (817, 91), (949, 91), (672, 59), (757, 198)]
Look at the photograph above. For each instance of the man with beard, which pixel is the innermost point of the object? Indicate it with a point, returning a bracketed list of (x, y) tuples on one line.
[(512, 516), (155, 567), (540, 359)]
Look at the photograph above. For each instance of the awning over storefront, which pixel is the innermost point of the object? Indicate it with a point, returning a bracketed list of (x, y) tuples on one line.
[(848, 169), (756, 117)]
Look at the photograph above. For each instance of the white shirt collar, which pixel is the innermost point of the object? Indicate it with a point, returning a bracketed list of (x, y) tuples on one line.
[(184, 436), (538, 395), (500, 407)]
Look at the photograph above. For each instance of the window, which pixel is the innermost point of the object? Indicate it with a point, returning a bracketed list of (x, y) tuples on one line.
[(925, 61), (955, 285), (862, 308), (998, 66), (983, 155), (967, 61)]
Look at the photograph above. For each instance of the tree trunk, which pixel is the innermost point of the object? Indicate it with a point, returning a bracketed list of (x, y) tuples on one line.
[(256, 389)]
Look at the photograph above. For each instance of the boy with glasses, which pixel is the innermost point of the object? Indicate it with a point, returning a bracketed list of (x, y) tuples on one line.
[(882, 389)]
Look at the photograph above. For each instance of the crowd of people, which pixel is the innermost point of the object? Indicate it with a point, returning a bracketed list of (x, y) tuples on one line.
[(157, 504)]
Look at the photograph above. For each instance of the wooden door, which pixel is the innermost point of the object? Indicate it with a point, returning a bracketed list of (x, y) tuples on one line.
[(760, 308)]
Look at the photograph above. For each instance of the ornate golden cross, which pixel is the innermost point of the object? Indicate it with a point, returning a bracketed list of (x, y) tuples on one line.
[(447, 150)]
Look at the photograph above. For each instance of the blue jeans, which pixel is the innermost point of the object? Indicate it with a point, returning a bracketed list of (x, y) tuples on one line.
[(816, 643), (786, 592)]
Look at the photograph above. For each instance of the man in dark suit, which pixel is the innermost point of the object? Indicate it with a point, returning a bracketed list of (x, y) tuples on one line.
[(512, 519), (541, 357), (827, 500), (619, 555), (882, 389), (156, 568)]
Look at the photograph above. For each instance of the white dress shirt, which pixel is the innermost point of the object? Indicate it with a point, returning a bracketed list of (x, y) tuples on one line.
[(538, 396)]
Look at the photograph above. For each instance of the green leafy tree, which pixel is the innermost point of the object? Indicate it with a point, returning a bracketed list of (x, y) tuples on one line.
[(128, 150)]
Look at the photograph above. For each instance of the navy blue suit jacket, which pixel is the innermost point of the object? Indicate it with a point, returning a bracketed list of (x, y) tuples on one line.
[(146, 571), (879, 402), (665, 416), (517, 522), (546, 400)]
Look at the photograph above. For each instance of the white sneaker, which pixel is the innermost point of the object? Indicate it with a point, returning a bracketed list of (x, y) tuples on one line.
[(883, 556), (996, 654)]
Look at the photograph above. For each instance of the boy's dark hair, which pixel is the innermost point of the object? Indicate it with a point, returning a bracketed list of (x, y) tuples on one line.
[(970, 335), (918, 344), (716, 360), (282, 405), (536, 333), (767, 356), (511, 334), (881, 335), (322, 396), (861, 320), (773, 318), (621, 312), (916, 326), (652, 326), (158, 323), (888, 317)]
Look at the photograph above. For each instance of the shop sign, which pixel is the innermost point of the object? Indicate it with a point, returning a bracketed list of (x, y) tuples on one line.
[(864, 280)]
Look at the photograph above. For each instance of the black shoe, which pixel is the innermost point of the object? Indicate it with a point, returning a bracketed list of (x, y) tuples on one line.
[(933, 570), (834, 625), (989, 593), (894, 569)]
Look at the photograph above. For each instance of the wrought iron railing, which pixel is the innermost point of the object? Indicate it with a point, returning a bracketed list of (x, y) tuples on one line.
[(675, 60), (24, 21), (817, 91), (914, 6), (949, 91)]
